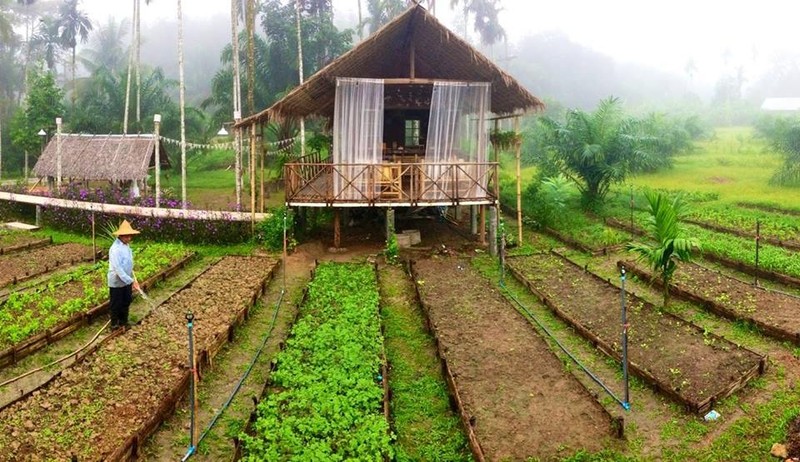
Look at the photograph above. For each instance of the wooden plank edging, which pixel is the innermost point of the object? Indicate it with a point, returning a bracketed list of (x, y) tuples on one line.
[(129, 450), (15, 353), (713, 306), (700, 407)]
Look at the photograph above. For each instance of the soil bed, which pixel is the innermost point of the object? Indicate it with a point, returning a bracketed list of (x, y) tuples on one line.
[(18, 267), (775, 313), (102, 407), (515, 396), (16, 242), (48, 321), (692, 366)]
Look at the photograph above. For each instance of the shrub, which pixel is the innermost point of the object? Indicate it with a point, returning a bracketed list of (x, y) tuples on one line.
[(269, 231)]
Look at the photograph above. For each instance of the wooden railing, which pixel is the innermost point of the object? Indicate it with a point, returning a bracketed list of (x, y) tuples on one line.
[(419, 183)]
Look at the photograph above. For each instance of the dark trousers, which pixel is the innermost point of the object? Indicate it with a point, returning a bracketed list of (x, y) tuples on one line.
[(121, 298)]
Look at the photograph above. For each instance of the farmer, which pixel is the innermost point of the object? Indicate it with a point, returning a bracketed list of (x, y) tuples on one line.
[(121, 280)]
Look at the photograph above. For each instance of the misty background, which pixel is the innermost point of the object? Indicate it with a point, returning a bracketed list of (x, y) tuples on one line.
[(572, 52)]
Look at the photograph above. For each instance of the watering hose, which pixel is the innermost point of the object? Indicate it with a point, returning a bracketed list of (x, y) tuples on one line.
[(625, 405), (193, 449), (58, 360)]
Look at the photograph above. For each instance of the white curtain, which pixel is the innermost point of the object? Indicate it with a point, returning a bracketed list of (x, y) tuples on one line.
[(457, 134), (357, 135)]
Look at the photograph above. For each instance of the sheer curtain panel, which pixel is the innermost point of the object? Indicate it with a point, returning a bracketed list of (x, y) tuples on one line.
[(457, 139), (357, 136)]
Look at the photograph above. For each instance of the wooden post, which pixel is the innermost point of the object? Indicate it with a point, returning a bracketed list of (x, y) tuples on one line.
[(389, 222), (261, 180), (252, 178), (482, 225), (157, 130), (493, 230), (473, 212), (518, 148), (337, 231), (94, 241), (58, 156), (237, 146)]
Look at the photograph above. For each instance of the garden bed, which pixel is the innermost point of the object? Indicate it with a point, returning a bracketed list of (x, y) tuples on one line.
[(22, 266), (774, 313), (326, 398), (16, 242), (37, 317), (514, 396), (686, 363), (104, 406)]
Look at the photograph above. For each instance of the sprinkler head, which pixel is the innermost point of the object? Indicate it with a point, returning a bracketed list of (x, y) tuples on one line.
[(189, 316)]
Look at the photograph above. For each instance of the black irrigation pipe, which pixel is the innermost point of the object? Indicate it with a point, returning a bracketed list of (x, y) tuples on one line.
[(596, 379), (238, 386)]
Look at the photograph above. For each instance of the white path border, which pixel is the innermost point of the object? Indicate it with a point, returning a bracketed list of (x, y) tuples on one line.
[(134, 210)]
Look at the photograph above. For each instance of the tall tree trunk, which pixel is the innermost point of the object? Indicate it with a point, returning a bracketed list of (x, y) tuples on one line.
[(360, 23), (130, 73), (236, 95), (250, 20), (138, 20), (182, 91), (74, 96), (300, 75)]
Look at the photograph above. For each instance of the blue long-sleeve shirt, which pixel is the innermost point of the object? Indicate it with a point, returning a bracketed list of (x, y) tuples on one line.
[(120, 265)]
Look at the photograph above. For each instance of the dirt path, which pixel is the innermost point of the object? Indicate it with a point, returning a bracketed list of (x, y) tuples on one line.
[(524, 404)]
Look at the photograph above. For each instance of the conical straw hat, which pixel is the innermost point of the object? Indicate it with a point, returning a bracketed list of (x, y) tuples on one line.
[(125, 229)]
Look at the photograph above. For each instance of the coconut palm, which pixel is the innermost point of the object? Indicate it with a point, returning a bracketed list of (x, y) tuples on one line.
[(182, 93), (669, 247), (72, 25)]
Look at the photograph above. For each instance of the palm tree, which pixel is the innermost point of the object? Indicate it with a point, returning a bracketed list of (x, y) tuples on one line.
[(46, 41), (107, 48), (594, 150), (669, 247), (236, 96), (299, 4), (487, 23), (250, 26), (73, 24), (382, 11)]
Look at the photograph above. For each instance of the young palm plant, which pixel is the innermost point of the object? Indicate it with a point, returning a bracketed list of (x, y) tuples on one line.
[(669, 247)]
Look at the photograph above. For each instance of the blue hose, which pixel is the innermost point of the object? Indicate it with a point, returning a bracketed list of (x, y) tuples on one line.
[(238, 386), (624, 405)]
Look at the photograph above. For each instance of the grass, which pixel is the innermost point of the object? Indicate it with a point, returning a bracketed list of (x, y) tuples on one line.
[(733, 163)]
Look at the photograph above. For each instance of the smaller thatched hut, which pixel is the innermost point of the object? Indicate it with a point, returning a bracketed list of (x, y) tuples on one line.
[(125, 159)]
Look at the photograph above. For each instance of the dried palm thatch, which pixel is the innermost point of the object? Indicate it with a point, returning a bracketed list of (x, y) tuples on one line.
[(437, 53), (100, 157)]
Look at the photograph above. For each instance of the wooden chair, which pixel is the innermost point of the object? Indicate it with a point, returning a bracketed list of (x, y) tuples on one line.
[(389, 181)]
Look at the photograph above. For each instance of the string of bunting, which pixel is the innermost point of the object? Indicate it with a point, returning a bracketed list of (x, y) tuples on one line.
[(273, 147)]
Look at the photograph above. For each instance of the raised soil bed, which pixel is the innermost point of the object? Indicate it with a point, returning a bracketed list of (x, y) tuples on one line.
[(514, 396), (25, 242), (33, 344), (694, 367), (774, 313), (104, 406), (22, 266)]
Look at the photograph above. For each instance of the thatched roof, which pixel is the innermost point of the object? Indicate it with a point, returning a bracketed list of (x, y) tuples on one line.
[(439, 54), (101, 157)]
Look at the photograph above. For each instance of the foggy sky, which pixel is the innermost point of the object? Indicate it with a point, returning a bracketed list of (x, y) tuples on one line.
[(717, 36)]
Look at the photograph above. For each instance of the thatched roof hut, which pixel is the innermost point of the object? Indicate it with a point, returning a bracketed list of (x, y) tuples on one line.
[(414, 48), (101, 157)]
